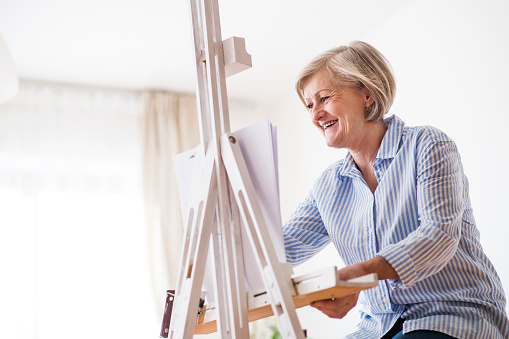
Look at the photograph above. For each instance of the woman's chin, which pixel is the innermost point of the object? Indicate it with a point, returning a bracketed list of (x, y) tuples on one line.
[(331, 139), (332, 143)]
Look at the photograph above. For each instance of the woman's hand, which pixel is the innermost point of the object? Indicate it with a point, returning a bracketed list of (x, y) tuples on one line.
[(337, 307)]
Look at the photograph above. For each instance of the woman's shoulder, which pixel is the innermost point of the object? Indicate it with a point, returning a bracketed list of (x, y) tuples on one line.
[(327, 180), (425, 134), (330, 173), (427, 141), (333, 168)]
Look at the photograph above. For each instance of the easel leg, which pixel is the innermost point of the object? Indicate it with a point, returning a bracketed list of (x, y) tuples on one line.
[(191, 273), (279, 286), (239, 299), (230, 284)]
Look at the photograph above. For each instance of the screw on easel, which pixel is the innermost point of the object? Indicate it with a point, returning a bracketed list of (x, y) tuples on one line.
[(232, 139)]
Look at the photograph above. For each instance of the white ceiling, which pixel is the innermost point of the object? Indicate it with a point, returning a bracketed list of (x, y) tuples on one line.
[(148, 44)]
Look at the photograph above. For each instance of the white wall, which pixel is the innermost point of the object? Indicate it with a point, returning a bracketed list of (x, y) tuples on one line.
[(450, 60)]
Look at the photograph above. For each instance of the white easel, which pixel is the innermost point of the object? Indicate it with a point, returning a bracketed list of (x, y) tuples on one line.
[(215, 213), (225, 190)]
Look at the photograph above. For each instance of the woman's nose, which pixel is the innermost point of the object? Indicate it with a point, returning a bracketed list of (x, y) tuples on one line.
[(316, 113)]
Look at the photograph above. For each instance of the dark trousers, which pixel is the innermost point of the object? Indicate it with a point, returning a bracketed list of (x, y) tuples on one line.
[(396, 332)]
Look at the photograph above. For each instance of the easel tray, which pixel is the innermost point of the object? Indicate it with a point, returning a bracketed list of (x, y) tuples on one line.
[(319, 285)]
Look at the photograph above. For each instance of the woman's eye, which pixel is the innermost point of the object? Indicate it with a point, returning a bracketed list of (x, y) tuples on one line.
[(309, 106), (324, 99)]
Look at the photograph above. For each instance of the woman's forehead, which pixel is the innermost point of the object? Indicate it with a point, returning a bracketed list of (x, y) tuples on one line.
[(316, 83)]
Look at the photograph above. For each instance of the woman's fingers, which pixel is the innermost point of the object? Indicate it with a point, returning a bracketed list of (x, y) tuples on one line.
[(337, 307)]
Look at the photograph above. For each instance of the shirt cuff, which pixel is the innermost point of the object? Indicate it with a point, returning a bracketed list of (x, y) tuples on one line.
[(402, 263)]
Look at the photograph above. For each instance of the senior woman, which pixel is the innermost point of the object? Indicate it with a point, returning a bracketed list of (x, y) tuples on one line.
[(398, 205)]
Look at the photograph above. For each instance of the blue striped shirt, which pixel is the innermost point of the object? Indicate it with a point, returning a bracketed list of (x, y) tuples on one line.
[(420, 220)]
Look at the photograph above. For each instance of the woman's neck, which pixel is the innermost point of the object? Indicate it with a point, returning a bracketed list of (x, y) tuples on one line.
[(369, 143)]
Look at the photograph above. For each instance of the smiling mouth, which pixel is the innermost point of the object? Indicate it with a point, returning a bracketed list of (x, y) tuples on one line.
[(329, 124)]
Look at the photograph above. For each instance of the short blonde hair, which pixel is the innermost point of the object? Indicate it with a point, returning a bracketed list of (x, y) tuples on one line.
[(358, 65)]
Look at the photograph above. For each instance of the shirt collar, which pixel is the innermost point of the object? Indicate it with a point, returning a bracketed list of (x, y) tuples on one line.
[(392, 138), (387, 150)]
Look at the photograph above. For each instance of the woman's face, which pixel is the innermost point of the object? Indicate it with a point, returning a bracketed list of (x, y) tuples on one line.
[(338, 112)]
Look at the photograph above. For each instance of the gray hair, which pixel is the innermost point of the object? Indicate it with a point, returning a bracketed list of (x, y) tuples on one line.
[(358, 65)]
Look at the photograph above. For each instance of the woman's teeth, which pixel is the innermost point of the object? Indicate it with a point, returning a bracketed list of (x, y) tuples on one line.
[(329, 124)]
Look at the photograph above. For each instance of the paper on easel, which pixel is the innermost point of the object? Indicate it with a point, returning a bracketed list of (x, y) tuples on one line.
[(259, 148)]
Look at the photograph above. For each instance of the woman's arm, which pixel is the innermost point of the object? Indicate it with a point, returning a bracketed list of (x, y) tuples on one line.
[(377, 265), (440, 203), (304, 232)]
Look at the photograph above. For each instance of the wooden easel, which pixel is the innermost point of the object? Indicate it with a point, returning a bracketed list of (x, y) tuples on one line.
[(225, 191)]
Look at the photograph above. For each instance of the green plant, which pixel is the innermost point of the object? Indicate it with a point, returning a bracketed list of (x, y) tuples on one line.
[(275, 332)]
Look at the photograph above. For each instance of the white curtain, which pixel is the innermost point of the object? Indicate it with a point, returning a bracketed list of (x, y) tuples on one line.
[(170, 127), (73, 244)]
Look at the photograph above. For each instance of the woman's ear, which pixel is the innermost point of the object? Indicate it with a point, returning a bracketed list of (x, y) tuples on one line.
[(368, 98)]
